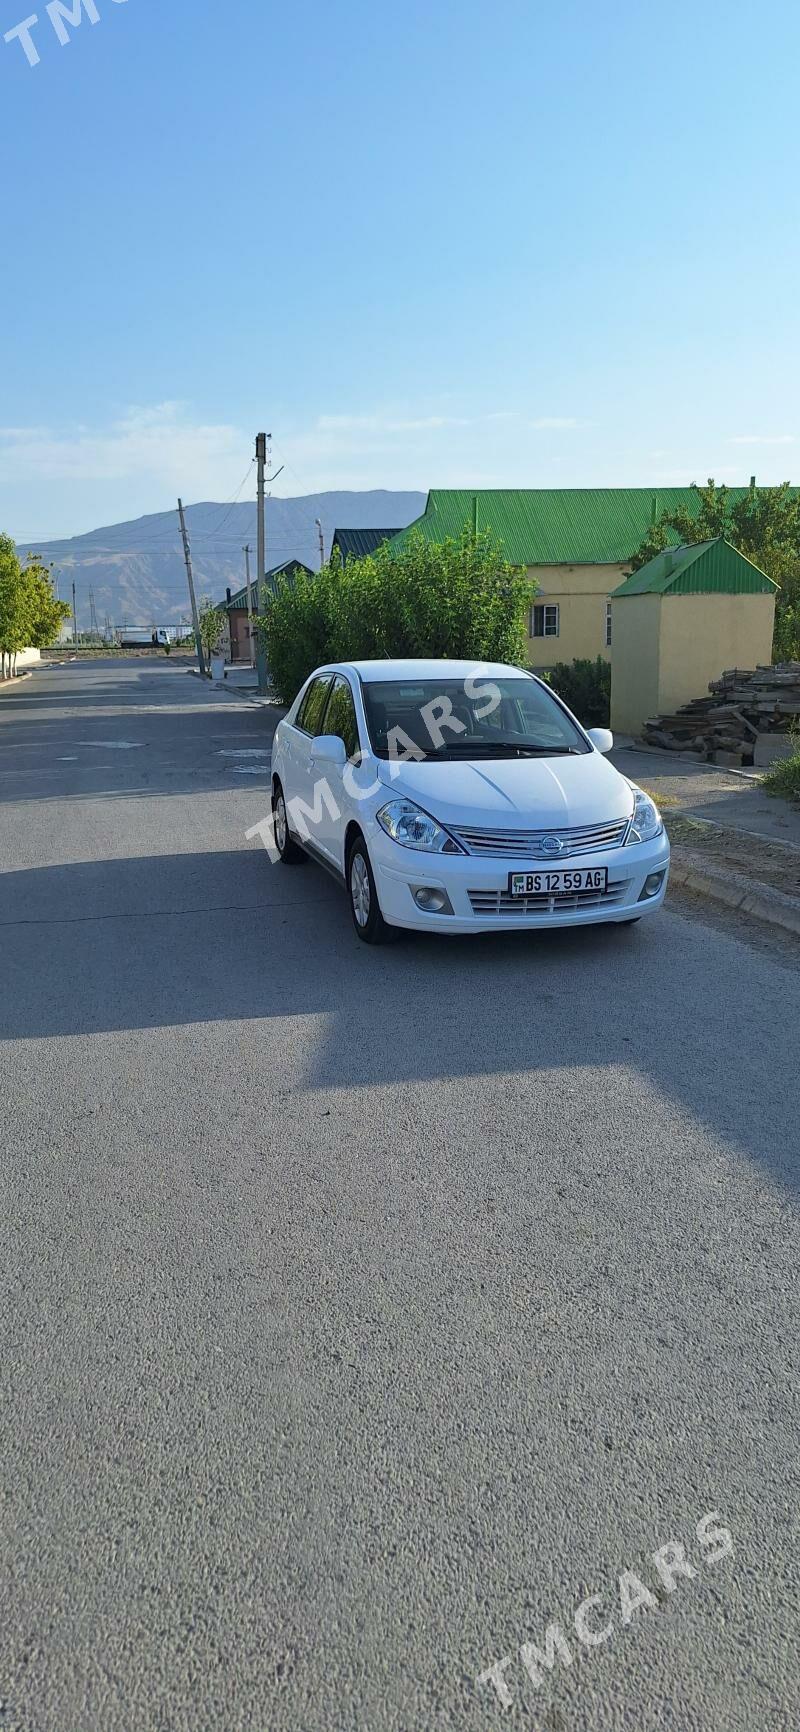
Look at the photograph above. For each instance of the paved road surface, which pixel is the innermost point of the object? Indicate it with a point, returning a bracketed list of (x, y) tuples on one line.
[(363, 1312)]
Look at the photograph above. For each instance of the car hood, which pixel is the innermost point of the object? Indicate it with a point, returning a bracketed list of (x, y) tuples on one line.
[(515, 793)]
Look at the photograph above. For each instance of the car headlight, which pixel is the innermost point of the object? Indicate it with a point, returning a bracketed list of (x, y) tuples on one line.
[(647, 820), (413, 828)]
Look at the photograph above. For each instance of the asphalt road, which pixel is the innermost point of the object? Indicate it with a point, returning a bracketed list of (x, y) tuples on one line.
[(364, 1312)]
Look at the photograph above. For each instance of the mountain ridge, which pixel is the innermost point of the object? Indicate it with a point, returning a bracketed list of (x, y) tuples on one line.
[(136, 570)]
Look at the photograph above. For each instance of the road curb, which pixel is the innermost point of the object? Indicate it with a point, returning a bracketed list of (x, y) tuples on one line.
[(736, 892), (18, 680)]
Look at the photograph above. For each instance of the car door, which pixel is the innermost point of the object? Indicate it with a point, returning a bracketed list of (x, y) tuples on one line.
[(296, 745), (339, 719)]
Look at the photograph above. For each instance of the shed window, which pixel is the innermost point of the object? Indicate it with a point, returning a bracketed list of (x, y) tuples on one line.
[(608, 625), (545, 620)]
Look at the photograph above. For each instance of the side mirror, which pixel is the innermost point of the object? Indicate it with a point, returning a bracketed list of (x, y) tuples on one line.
[(602, 739), (329, 749)]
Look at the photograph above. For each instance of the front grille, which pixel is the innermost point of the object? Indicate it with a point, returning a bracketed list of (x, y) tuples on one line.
[(500, 902), (527, 844)]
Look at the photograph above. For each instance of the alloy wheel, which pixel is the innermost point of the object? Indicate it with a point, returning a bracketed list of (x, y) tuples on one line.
[(359, 889), (281, 826)]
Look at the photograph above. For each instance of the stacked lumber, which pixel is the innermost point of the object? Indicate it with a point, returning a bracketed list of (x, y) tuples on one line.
[(741, 706)]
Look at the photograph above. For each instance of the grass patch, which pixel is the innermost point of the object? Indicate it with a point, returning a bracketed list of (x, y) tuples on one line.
[(662, 800), (783, 777)]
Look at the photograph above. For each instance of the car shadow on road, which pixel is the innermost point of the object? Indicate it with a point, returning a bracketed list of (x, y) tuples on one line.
[(224, 937)]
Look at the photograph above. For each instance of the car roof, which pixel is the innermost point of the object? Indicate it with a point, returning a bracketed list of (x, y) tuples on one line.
[(421, 669)]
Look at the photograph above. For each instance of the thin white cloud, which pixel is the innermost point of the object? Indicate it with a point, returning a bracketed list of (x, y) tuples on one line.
[(388, 425), (554, 423), (685, 474), (160, 441), (763, 439)]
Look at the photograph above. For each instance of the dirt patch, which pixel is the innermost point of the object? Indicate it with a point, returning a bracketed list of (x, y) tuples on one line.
[(773, 863)]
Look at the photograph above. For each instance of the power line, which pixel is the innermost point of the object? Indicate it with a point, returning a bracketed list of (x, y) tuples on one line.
[(234, 501)]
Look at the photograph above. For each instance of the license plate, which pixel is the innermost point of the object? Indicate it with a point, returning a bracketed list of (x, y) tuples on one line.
[(561, 883)]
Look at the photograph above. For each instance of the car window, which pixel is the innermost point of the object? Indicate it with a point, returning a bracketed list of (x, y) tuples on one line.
[(311, 710), (340, 716), (510, 715)]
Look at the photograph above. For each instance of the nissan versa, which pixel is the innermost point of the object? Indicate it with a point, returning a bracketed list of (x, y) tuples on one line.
[(450, 797)]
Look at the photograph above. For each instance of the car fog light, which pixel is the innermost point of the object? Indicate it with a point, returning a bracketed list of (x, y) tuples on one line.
[(431, 900), (652, 885)]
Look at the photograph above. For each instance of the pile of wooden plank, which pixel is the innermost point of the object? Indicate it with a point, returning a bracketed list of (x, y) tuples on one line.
[(741, 706)]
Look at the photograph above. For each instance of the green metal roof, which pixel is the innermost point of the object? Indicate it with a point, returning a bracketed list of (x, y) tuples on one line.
[(557, 525), (359, 543), (706, 568)]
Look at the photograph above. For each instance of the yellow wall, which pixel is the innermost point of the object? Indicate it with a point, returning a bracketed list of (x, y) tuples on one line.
[(581, 592), (635, 641), (702, 635), (666, 649)]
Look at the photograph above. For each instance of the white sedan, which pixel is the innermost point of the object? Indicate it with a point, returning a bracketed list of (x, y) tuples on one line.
[(453, 797)]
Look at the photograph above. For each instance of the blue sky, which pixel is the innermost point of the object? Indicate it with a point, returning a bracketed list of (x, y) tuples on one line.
[(434, 244)]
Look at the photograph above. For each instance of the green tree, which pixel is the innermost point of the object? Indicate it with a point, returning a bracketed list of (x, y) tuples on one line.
[(12, 617), (458, 597), (45, 614), (764, 524), (30, 616), (213, 621)]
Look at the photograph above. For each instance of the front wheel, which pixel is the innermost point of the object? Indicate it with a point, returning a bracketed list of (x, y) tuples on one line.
[(364, 906), (290, 854)]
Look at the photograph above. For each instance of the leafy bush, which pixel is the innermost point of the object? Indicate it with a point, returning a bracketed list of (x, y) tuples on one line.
[(585, 687), (787, 632), (783, 777), (453, 598)]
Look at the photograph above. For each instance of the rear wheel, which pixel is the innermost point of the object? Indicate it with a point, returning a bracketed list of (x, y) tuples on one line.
[(364, 906), (290, 853)]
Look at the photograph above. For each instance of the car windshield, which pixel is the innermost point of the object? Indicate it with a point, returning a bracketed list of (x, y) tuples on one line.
[(446, 719)]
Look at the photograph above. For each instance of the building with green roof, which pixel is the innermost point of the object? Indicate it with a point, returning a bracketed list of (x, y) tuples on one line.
[(679, 622), (360, 543), (577, 542)]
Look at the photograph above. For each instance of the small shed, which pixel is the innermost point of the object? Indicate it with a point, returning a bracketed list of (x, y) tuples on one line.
[(236, 606), (677, 623)]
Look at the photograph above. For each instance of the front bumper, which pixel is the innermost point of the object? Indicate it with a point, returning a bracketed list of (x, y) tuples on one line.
[(478, 888)]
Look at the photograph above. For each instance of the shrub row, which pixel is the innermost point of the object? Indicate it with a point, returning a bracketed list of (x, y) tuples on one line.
[(456, 598)]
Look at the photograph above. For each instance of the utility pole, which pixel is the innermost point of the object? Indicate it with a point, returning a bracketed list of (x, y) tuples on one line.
[(74, 621), (261, 557), (195, 619), (321, 543), (246, 552)]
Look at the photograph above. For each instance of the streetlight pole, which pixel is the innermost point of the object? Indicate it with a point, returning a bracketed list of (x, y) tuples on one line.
[(261, 557), (321, 543)]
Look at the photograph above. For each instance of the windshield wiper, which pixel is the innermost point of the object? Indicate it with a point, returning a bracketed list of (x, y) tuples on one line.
[(478, 748)]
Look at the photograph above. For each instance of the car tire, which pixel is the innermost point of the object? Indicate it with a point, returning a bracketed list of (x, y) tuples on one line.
[(289, 853), (363, 897)]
